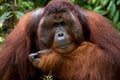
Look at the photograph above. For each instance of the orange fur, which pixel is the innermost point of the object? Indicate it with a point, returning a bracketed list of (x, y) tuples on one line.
[(101, 64), (81, 64)]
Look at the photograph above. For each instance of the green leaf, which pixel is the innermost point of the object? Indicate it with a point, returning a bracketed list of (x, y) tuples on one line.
[(20, 2), (97, 3), (102, 12), (118, 26), (73, 1), (4, 16), (118, 2), (105, 2), (94, 1), (97, 8), (112, 10), (1, 1), (19, 14), (109, 6), (116, 17), (1, 39), (7, 4), (88, 7)]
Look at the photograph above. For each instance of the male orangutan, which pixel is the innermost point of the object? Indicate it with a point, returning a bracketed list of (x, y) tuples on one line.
[(65, 40)]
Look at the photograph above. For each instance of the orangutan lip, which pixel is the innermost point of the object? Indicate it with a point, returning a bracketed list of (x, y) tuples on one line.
[(65, 46)]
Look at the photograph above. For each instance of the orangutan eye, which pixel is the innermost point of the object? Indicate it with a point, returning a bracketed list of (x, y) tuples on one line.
[(55, 25), (62, 23)]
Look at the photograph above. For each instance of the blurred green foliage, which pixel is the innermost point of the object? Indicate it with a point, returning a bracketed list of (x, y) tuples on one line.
[(12, 10), (108, 8)]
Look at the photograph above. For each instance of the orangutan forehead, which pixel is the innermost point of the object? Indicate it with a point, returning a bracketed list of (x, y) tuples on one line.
[(58, 6), (58, 17)]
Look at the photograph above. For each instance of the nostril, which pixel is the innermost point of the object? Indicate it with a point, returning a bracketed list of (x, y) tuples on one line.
[(60, 34)]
